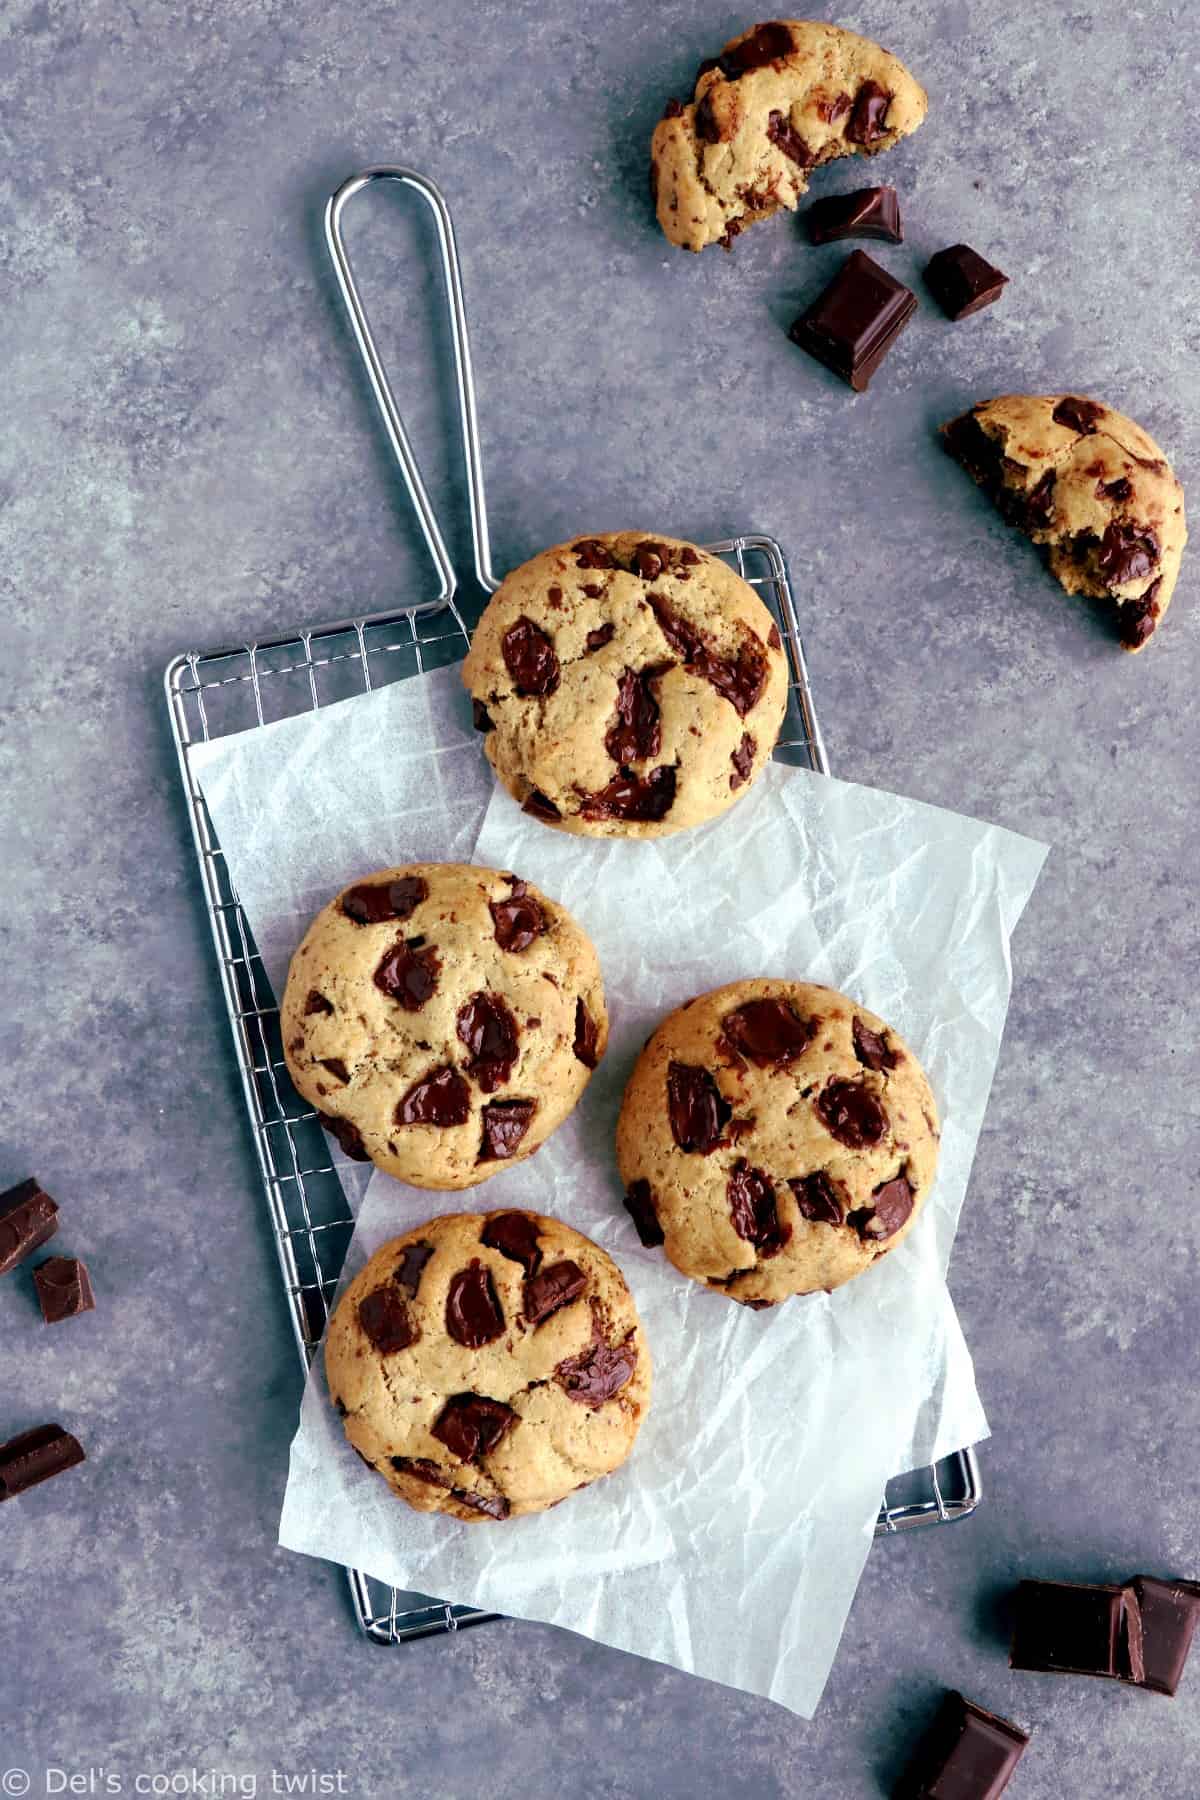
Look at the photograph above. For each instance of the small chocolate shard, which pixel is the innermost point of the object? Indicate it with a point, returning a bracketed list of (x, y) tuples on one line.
[(35, 1456), (743, 761), (783, 134), (1167, 1614), (64, 1288), (872, 212), (596, 640), (28, 1219), (961, 281)]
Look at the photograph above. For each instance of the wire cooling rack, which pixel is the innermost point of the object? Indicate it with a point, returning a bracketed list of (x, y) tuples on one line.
[(214, 693)]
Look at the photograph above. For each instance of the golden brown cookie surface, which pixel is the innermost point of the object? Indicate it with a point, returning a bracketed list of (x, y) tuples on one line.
[(629, 685), (1092, 487), (488, 1364), (780, 99), (776, 1138), (443, 1019)]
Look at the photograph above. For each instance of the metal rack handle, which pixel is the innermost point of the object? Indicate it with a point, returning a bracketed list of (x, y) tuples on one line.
[(382, 389)]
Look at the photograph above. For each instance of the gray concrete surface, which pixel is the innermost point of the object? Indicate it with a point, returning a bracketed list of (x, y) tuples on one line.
[(188, 456)]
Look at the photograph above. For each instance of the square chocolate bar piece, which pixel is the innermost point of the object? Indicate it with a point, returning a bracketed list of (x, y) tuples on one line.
[(1067, 1628), (970, 1754), (64, 1288), (961, 282), (28, 1219), (1168, 1613), (854, 323)]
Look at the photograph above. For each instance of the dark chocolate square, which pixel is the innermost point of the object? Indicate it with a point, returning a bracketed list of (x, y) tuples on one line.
[(854, 323), (1066, 1628), (969, 1754), (28, 1219), (1168, 1612), (961, 281), (64, 1288)]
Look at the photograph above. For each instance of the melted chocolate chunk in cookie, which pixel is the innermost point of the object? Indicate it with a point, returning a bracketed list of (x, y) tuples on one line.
[(336, 1067), (590, 553), (471, 1425), (407, 975), (348, 1136), (751, 1194), (586, 1037), (386, 1321), (871, 1047), (317, 1003), (598, 1373), (892, 1202), (378, 902), (540, 806), (481, 718), (514, 1235), (517, 921), (1078, 415), (785, 137), (639, 1204), (442, 1098), (766, 44), (816, 1198), (636, 730), (487, 1027), (530, 658), (1128, 553), (411, 1267), (851, 1114), (551, 1288), (868, 119), (697, 1109), (770, 1032), (628, 796), (743, 761), (473, 1312), (505, 1123), (1117, 491), (596, 640)]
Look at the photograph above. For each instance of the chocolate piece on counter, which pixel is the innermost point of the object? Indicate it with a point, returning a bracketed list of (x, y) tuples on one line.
[(35, 1456), (961, 282), (28, 1219), (872, 212), (1169, 1612), (1066, 1628), (854, 323), (969, 1754), (64, 1288)]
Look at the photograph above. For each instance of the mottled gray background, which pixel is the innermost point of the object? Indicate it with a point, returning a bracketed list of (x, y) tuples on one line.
[(187, 456)]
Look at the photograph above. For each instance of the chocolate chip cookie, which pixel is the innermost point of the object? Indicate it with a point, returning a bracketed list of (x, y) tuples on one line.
[(1092, 488), (628, 685), (778, 101), (489, 1364), (776, 1138), (443, 1020)]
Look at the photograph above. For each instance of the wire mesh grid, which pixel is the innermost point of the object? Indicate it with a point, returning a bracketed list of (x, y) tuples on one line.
[(215, 693)]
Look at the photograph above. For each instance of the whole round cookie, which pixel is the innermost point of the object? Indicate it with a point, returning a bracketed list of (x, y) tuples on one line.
[(629, 685), (443, 1020), (779, 99), (776, 1138), (489, 1364), (1092, 488)]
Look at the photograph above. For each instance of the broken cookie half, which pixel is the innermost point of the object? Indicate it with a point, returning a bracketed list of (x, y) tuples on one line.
[(1089, 485), (779, 100)]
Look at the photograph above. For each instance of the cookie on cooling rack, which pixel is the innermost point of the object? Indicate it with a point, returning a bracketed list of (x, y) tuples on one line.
[(489, 1364), (1091, 487), (629, 685), (780, 99), (443, 1020), (776, 1138)]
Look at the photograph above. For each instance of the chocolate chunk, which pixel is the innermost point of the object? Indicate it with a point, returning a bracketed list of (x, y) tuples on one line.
[(868, 117), (636, 730), (539, 806), (854, 323), (816, 1198), (774, 639), (871, 1047), (35, 1456), (1168, 1613), (851, 1113), (770, 1032), (833, 110), (961, 281), (1078, 415), (698, 1112), (743, 761), (442, 1098), (979, 453), (386, 1321), (1039, 504), (673, 109), (411, 1268), (603, 634), (64, 1288), (340, 1408), (471, 1425), (473, 1313), (598, 1373), (317, 1003), (486, 1026), (419, 1467), (1065, 1628), (629, 796), (587, 1037), (529, 658), (892, 1202), (872, 212), (505, 1123), (969, 1754), (480, 717), (551, 1289), (517, 921), (376, 902), (514, 1235), (766, 44), (336, 1067), (683, 637), (1118, 491), (1136, 619), (751, 1196), (28, 1219), (590, 553), (707, 126), (348, 1136), (785, 137), (639, 1204), (494, 1506), (741, 681), (650, 559), (1127, 553)]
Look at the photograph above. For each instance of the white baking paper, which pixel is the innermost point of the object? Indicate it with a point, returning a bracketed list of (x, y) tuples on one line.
[(732, 1542)]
